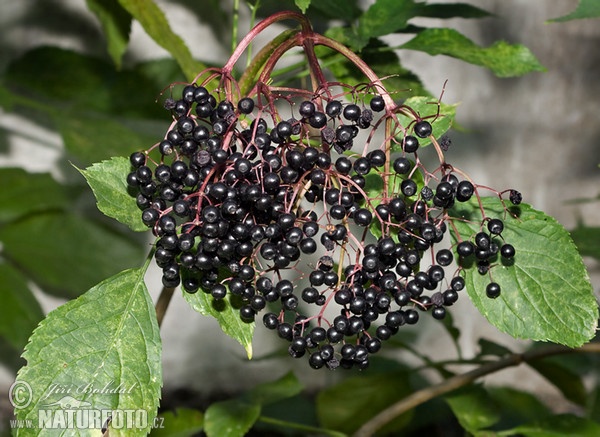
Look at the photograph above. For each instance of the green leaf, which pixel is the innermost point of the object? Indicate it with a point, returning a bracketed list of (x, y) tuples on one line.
[(546, 293), (347, 10), (227, 316), (103, 348), (384, 17), (91, 138), (516, 406), (20, 312), (116, 23), (183, 422), (235, 417), (569, 383), (489, 347), (66, 254), (585, 9), (346, 406), (157, 27), (558, 425), (302, 5), (443, 117), (473, 408), (450, 10), (26, 193), (503, 59), (107, 180), (587, 240)]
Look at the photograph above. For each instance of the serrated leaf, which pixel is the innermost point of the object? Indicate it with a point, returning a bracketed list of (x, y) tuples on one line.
[(157, 27), (346, 406), (546, 293), (473, 408), (183, 422), (302, 5), (443, 117), (585, 9), (503, 59), (558, 425), (101, 351), (116, 23), (107, 179), (66, 254), (227, 316), (91, 138), (587, 240), (569, 383), (384, 17), (29, 193), (20, 311)]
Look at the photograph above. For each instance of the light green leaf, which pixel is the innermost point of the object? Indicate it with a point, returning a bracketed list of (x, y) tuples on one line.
[(473, 408), (558, 425), (25, 193), (183, 422), (585, 9), (568, 382), (102, 351), (231, 418), (302, 4), (116, 23), (384, 17), (157, 27), (20, 312), (503, 59), (66, 254), (107, 180), (227, 316), (546, 293), (443, 117), (346, 406)]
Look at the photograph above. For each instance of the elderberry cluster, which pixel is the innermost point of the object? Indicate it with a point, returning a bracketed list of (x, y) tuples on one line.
[(295, 216)]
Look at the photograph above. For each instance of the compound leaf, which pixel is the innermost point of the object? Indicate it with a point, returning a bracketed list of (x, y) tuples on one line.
[(116, 23), (227, 316), (107, 179), (503, 59), (102, 351), (546, 291), (585, 9)]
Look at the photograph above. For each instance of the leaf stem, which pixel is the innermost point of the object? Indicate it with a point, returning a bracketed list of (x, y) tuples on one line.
[(420, 397)]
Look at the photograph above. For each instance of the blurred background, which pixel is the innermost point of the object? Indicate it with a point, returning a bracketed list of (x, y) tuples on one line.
[(538, 133)]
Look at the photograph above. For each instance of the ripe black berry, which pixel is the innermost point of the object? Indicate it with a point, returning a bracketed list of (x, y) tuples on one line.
[(423, 129), (492, 290)]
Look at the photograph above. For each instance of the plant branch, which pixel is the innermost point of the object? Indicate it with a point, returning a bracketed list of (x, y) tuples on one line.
[(451, 384)]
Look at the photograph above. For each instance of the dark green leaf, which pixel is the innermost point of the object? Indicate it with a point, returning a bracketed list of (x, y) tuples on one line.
[(452, 330), (183, 422), (587, 240), (107, 340), (20, 312), (270, 392), (24, 193), (302, 4), (91, 138), (346, 406), (384, 17), (347, 10), (227, 316), (116, 23), (66, 254), (489, 347), (558, 425), (503, 59), (585, 9), (516, 406), (231, 418), (450, 10), (157, 27), (107, 181), (569, 383), (546, 294), (441, 121), (473, 408)]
